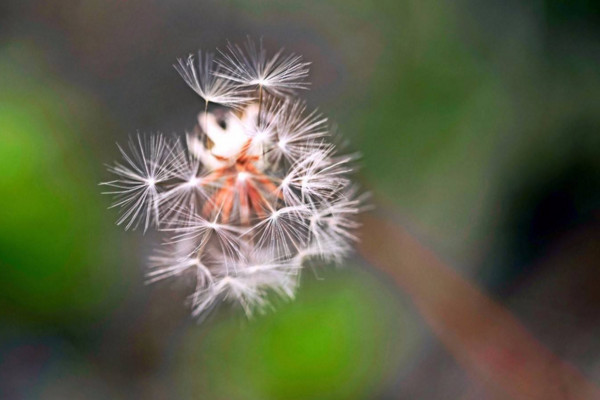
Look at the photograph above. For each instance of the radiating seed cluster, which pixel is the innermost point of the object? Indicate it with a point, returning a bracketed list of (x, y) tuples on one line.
[(253, 193)]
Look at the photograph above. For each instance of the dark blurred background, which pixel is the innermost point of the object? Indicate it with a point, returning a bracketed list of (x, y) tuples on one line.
[(479, 125)]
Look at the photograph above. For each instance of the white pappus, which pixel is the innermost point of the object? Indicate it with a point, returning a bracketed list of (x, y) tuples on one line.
[(255, 192)]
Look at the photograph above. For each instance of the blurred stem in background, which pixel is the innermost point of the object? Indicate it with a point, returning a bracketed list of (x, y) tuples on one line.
[(485, 338)]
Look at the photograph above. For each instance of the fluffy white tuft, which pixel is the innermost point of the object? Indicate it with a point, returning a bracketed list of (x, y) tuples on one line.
[(207, 84), (250, 66), (254, 194), (145, 167)]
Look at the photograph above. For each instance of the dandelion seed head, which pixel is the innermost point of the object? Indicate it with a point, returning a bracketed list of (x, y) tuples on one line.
[(254, 194)]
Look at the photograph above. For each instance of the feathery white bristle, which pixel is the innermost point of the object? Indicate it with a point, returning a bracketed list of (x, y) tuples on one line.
[(136, 191), (205, 82), (248, 282), (254, 194), (298, 133), (250, 66)]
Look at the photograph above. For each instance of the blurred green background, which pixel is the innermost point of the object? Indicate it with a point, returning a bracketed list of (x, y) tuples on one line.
[(478, 122)]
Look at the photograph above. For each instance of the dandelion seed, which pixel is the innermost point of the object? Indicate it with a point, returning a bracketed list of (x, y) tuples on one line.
[(333, 221), (299, 133), (282, 232), (316, 177), (188, 185), (174, 261), (250, 66), (254, 194), (248, 282), (204, 80), (193, 228), (136, 192)]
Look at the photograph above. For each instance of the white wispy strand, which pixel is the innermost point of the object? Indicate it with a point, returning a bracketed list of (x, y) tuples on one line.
[(192, 227), (254, 194), (167, 263), (262, 124), (248, 283), (188, 186), (316, 176), (298, 133), (250, 66), (136, 192), (334, 221), (283, 231), (204, 80), (327, 249)]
